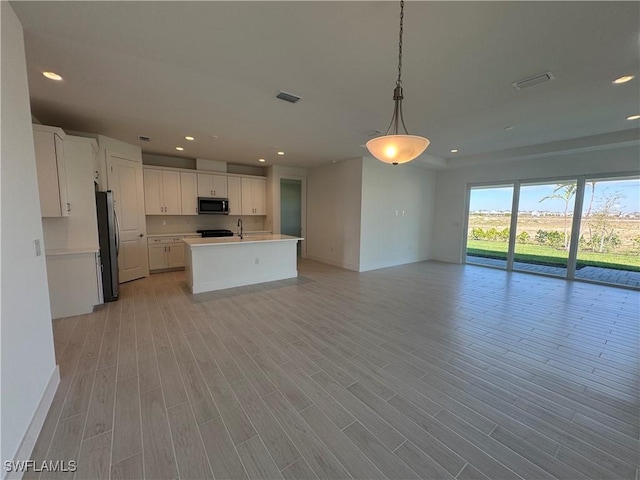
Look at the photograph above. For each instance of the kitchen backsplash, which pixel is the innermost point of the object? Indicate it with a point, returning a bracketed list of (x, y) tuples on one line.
[(157, 224)]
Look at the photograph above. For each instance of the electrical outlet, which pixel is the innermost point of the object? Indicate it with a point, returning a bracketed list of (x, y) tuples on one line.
[(164, 222), (36, 246)]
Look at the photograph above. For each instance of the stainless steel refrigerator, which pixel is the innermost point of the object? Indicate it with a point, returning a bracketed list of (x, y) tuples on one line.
[(109, 244)]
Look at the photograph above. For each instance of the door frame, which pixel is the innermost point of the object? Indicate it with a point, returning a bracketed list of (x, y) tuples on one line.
[(303, 208)]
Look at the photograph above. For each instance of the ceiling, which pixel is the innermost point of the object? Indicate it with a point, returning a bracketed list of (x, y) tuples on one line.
[(212, 70)]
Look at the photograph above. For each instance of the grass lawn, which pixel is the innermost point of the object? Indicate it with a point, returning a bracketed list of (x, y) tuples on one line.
[(543, 255)]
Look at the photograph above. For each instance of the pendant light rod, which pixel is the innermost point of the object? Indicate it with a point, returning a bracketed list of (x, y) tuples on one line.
[(398, 96), (394, 147), (399, 81)]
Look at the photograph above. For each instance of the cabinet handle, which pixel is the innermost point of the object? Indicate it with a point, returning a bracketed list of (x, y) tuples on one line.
[(68, 207)]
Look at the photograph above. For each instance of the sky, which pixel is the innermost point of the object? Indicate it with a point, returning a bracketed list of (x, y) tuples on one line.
[(499, 198)]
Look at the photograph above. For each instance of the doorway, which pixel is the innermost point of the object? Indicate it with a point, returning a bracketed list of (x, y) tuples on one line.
[(291, 209)]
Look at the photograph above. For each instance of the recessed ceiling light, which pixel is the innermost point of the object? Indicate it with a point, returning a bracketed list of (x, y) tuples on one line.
[(623, 79), (455, 150), (280, 153), (510, 127), (633, 117), (261, 160), (52, 76), (191, 139), (179, 149)]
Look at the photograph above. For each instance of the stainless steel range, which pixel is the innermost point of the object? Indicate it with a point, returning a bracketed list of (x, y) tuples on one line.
[(215, 233)]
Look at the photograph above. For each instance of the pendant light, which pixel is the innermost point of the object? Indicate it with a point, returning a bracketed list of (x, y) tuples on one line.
[(394, 147)]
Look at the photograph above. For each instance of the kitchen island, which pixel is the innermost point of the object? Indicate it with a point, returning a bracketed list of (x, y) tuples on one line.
[(227, 262)]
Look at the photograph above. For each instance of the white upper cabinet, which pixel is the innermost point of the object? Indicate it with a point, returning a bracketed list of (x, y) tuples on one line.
[(254, 196), (189, 192), (234, 191), (51, 169), (212, 185), (162, 194)]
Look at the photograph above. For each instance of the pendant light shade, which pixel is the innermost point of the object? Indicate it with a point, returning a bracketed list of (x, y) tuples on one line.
[(394, 147), (397, 149)]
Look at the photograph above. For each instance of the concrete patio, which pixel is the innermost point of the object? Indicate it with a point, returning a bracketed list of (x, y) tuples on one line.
[(596, 274)]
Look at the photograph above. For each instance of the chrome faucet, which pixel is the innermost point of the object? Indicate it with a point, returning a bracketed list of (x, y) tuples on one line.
[(240, 225)]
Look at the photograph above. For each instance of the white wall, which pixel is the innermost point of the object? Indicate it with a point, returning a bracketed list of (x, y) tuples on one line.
[(452, 184), (397, 214), (28, 362), (334, 193)]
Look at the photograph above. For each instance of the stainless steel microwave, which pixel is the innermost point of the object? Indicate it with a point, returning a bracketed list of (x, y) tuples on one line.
[(213, 206)]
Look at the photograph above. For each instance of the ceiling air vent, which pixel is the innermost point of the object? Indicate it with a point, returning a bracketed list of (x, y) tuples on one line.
[(144, 138), (534, 80), (289, 97)]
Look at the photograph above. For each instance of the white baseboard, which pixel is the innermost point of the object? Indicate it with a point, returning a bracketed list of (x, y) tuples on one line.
[(344, 265), (37, 421), (392, 263)]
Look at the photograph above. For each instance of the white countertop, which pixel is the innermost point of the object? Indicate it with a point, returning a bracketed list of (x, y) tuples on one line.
[(188, 234), (71, 251), (203, 242), (195, 234)]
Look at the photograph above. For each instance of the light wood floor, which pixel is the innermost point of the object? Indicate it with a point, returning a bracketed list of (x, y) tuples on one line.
[(421, 371)]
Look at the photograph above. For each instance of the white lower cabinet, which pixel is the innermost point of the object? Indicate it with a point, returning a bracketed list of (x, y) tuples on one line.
[(73, 283), (165, 252), (175, 255)]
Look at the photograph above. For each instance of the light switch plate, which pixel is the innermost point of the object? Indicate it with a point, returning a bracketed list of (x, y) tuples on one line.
[(36, 246)]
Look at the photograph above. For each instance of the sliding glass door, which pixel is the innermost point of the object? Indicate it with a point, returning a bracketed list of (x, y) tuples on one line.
[(586, 228), (609, 245), (489, 224), (543, 233)]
